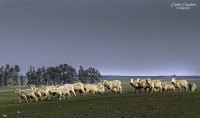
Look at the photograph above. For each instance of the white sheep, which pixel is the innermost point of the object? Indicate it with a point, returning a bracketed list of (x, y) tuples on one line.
[(180, 84), (79, 87), (50, 90), (91, 88), (135, 85), (168, 86), (154, 84), (100, 87), (142, 84), (62, 92), (114, 86), (26, 94), (42, 92), (192, 87), (70, 88)]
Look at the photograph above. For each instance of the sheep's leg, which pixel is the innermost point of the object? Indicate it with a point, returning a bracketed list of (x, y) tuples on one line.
[(93, 92), (45, 96), (152, 90), (48, 97), (160, 89), (74, 93), (117, 90), (120, 89), (60, 96), (63, 96), (36, 99), (185, 88), (30, 100), (139, 89), (87, 92), (69, 95), (20, 99), (26, 99), (41, 97), (83, 91), (145, 89), (135, 90)]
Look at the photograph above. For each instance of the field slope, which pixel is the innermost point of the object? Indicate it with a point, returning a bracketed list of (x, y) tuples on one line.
[(128, 104)]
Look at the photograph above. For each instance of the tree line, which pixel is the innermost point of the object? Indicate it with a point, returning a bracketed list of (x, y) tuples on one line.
[(61, 74)]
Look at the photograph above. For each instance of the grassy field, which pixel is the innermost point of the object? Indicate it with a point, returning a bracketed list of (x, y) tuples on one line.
[(126, 105)]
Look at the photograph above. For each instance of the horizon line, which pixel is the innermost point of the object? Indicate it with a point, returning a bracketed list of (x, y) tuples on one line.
[(145, 75)]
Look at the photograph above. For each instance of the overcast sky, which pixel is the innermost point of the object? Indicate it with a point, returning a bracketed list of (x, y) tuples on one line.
[(122, 37)]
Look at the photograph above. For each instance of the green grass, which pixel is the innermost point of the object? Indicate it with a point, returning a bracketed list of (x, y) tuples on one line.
[(128, 104)]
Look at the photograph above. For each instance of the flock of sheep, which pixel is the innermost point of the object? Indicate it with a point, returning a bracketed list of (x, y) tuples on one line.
[(157, 85), (70, 90)]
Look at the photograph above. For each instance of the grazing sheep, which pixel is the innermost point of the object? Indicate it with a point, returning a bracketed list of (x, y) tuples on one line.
[(156, 90), (37, 93), (192, 87), (154, 84), (142, 84), (62, 92), (180, 84), (114, 86), (26, 94), (50, 91), (91, 88), (100, 87), (42, 92), (168, 86), (134, 84), (70, 87), (79, 87)]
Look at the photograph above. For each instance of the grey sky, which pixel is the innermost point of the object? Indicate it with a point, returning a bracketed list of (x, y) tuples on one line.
[(123, 37)]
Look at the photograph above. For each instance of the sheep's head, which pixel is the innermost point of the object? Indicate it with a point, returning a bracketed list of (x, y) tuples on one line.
[(56, 89), (163, 84), (148, 80), (138, 80), (102, 88), (17, 90), (193, 84), (173, 81), (106, 83), (99, 85), (34, 88), (131, 81)]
